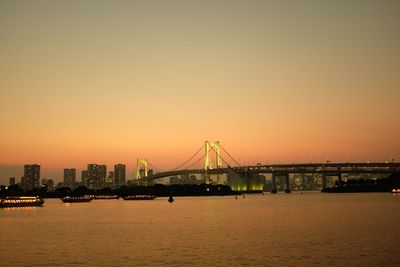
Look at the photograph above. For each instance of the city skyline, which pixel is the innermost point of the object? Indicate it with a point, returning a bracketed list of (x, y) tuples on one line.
[(274, 82)]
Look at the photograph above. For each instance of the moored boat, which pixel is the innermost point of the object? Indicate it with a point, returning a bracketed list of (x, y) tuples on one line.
[(69, 199), (20, 201), (106, 197), (139, 197)]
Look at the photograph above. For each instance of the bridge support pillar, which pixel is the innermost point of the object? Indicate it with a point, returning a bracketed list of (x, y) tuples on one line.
[(287, 183), (206, 177), (273, 190), (218, 178), (303, 181), (323, 181), (340, 177), (246, 179)]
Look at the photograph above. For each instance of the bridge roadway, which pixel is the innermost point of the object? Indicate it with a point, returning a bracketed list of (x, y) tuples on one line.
[(334, 169)]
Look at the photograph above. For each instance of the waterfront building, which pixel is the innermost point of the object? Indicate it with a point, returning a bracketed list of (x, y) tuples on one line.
[(96, 175), (241, 182), (31, 178), (193, 179), (174, 180), (69, 178), (50, 185), (110, 179), (119, 174), (184, 178), (84, 178)]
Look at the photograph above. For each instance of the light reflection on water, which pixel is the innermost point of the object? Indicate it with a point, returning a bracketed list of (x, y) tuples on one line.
[(271, 230), (20, 208)]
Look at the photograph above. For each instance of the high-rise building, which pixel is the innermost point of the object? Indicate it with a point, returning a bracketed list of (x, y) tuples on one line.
[(119, 174), (102, 175), (96, 176), (31, 178), (50, 185), (12, 181), (69, 178), (84, 178), (110, 179)]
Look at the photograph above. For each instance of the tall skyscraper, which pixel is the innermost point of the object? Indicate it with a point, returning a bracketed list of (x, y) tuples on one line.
[(120, 174), (12, 181), (31, 178), (102, 175), (96, 176), (84, 178), (69, 177)]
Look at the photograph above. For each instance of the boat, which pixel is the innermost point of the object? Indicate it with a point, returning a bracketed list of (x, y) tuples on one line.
[(170, 199), (69, 199), (139, 197), (106, 197), (20, 201)]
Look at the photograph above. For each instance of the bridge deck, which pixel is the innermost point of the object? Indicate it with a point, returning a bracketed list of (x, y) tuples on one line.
[(327, 168)]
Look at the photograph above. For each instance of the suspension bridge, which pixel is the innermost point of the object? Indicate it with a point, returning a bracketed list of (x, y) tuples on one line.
[(244, 177)]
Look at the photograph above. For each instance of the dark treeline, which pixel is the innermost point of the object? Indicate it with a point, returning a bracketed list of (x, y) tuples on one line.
[(366, 185), (157, 190)]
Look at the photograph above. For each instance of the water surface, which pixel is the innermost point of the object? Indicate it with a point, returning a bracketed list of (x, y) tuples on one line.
[(260, 230)]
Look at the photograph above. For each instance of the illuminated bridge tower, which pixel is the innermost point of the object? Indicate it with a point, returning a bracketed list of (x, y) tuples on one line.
[(211, 145), (141, 173)]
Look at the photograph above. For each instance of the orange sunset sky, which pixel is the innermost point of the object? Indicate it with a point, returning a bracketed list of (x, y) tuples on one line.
[(274, 81)]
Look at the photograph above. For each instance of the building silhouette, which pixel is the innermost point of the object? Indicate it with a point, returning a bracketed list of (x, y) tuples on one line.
[(31, 178), (12, 181), (119, 174), (184, 179), (84, 178), (69, 178), (110, 179), (174, 180), (50, 185), (96, 176)]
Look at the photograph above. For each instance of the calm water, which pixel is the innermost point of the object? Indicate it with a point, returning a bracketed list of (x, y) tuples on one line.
[(273, 230)]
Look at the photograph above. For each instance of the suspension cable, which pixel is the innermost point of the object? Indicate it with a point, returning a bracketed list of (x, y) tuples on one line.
[(230, 156), (227, 164), (184, 163), (195, 154), (194, 163), (153, 167)]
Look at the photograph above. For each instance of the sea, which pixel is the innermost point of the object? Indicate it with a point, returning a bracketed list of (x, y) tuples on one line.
[(297, 229)]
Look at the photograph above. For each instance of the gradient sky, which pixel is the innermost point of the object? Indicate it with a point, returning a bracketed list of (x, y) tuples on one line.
[(273, 81)]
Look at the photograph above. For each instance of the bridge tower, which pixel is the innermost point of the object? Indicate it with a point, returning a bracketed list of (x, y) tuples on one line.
[(214, 145), (141, 163)]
